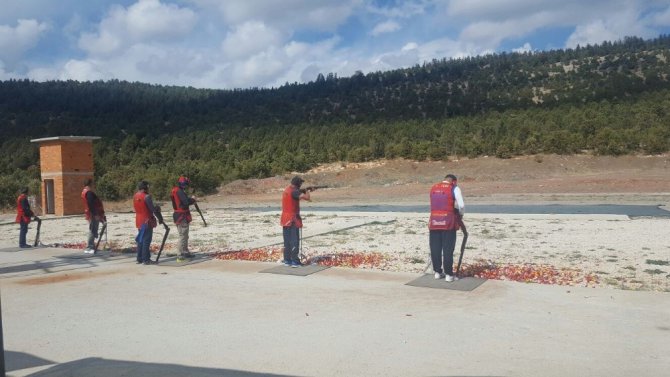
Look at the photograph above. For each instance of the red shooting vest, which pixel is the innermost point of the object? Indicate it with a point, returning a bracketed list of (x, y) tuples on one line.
[(20, 215), (181, 214), (142, 213), (442, 213), (290, 209), (99, 209)]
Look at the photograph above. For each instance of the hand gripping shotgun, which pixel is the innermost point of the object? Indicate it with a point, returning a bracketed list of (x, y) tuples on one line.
[(159, 217)]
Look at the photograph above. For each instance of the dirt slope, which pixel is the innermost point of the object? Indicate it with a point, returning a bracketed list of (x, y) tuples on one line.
[(540, 178)]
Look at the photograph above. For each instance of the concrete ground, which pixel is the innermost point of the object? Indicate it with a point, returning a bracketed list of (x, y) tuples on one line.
[(107, 316)]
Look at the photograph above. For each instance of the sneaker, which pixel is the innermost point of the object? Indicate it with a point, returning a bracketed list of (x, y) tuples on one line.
[(25, 246), (88, 251), (148, 262), (439, 275), (286, 263), (138, 262), (181, 259), (296, 264), (450, 278)]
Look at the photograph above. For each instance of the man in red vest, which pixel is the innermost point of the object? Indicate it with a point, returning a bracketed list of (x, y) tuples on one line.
[(182, 215), (291, 221), (94, 213), (23, 216), (145, 222), (446, 206)]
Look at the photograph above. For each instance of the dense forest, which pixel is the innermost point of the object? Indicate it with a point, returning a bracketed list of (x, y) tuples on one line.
[(612, 98)]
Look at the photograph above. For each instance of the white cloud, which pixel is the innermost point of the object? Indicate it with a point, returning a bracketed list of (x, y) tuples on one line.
[(617, 26), (81, 70), (250, 38), (405, 9), (660, 19), (525, 48), (15, 41), (319, 15), (385, 27), (144, 21)]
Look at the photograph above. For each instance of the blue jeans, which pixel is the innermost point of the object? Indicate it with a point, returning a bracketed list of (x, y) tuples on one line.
[(442, 245), (23, 231), (291, 244), (143, 240)]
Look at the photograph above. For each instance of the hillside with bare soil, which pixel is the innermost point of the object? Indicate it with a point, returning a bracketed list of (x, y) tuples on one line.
[(529, 179)]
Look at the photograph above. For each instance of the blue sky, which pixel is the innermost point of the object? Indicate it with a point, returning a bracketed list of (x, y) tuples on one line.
[(266, 43)]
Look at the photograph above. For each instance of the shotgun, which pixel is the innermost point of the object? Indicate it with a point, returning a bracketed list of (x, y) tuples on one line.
[(102, 231), (159, 217), (195, 204), (465, 239), (37, 234), (311, 188)]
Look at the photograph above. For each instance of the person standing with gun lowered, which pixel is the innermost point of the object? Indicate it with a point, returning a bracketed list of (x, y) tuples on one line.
[(145, 222), (23, 216), (446, 209), (182, 215), (94, 213), (291, 221)]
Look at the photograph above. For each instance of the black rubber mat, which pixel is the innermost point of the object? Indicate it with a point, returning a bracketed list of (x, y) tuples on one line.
[(297, 271), (464, 284), (173, 262)]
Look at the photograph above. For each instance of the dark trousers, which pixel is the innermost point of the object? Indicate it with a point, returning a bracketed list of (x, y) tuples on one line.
[(144, 243), (442, 245), (23, 231), (93, 226), (291, 243)]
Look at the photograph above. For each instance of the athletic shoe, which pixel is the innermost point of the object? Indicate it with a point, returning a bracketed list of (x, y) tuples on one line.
[(450, 278), (296, 264), (26, 246), (181, 259), (88, 251), (439, 275), (286, 263), (148, 262)]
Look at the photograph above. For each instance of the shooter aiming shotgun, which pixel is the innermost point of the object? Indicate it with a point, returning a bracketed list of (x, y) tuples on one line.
[(159, 217), (311, 188)]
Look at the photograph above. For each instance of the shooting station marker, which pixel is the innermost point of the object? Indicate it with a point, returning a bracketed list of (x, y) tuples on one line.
[(464, 284), (305, 270)]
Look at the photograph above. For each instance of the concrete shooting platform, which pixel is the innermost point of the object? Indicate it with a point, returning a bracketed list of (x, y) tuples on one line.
[(463, 284), (305, 270), (108, 317)]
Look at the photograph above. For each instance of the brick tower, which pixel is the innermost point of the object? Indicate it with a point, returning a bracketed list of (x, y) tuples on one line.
[(65, 162)]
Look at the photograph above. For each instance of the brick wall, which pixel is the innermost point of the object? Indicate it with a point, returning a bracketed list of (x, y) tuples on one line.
[(68, 163)]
